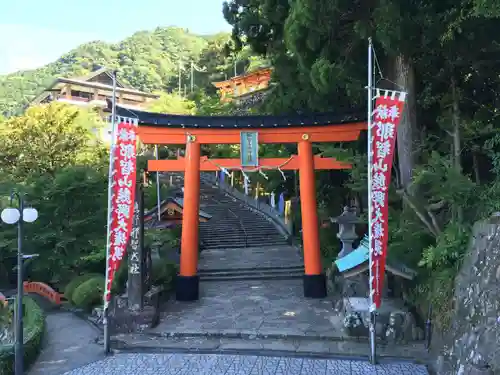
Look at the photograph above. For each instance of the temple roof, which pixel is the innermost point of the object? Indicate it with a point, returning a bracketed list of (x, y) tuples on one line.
[(243, 77), (357, 261), (152, 218), (240, 122)]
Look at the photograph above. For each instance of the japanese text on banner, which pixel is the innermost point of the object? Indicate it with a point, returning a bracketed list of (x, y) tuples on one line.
[(386, 118), (122, 198)]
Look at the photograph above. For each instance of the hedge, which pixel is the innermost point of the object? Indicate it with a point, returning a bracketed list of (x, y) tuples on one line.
[(89, 293), (69, 290), (34, 328), (163, 274)]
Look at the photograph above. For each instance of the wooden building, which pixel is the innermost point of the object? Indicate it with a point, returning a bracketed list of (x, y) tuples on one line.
[(171, 211), (93, 90), (240, 87)]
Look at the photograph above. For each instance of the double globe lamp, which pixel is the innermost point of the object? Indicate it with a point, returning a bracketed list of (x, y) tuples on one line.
[(12, 215), (19, 215)]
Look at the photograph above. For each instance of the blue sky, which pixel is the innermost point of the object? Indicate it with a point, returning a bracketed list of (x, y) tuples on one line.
[(34, 33)]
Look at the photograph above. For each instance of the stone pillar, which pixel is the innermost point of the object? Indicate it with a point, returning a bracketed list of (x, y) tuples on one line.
[(314, 278), (135, 289), (187, 283), (146, 253)]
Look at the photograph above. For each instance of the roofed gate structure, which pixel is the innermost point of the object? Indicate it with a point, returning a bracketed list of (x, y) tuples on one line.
[(249, 131)]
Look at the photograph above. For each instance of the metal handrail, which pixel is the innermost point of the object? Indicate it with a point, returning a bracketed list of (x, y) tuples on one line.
[(241, 225)]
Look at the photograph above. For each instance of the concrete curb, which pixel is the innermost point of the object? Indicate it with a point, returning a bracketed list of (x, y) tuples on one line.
[(256, 335), (121, 347)]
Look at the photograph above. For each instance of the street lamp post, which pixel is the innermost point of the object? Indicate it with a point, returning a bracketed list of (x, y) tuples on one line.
[(13, 215)]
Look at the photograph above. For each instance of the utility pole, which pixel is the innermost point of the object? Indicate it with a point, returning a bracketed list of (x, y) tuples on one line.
[(180, 77), (192, 77), (194, 68)]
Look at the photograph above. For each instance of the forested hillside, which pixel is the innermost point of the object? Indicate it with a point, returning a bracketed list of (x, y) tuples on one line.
[(148, 61), (446, 55)]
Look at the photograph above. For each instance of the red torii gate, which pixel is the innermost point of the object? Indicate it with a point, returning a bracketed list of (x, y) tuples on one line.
[(193, 131)]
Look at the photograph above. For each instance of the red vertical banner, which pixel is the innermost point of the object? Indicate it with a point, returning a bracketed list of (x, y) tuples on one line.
[(386, 118), (123, 184)]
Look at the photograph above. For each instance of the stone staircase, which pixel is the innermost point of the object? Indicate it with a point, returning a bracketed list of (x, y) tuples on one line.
[(270, 273), (239, 243), (233, 224), (254, 263)]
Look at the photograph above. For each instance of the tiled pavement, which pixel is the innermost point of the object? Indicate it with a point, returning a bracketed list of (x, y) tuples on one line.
[(213, 364)]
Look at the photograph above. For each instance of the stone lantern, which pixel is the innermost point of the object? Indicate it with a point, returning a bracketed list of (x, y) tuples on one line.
[(347, 229)]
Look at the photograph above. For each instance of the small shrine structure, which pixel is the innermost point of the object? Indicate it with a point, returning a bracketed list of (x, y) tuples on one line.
[(171, 210)]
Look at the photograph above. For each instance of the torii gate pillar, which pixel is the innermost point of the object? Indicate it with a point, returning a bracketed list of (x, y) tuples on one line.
[(314, 278), (187, 282)]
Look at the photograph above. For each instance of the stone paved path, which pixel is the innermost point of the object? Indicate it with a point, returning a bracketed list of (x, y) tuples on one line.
[(69, 343), (259, 307), (212, 364), (253, 307), (263, 316)]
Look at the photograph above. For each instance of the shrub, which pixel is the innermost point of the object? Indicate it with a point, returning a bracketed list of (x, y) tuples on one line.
[(163, 274), (89, 293), (34, 328), (69, 290), (121, 276)]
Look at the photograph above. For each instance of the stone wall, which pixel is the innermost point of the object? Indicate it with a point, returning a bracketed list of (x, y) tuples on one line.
[(472, 346)]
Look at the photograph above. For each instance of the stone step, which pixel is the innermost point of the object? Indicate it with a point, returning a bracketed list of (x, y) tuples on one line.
[(247, 227), (404, 357), (216, 238), (256, 276), (234, 223), (255, 241), (235, 232), (294, 268), (247, 221), (242, 243), (263, 233), (250, 220), (238, 245), (254, 271), (216, 235)]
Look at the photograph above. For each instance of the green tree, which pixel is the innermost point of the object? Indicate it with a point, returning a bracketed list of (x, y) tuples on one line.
[(52, 155), (46, 139), (445, 55), (172, 104), (70, 234)]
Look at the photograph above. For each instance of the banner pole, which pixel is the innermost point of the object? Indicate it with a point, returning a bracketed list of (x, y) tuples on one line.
[(373, 352), (108, 226), (158, 198)]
